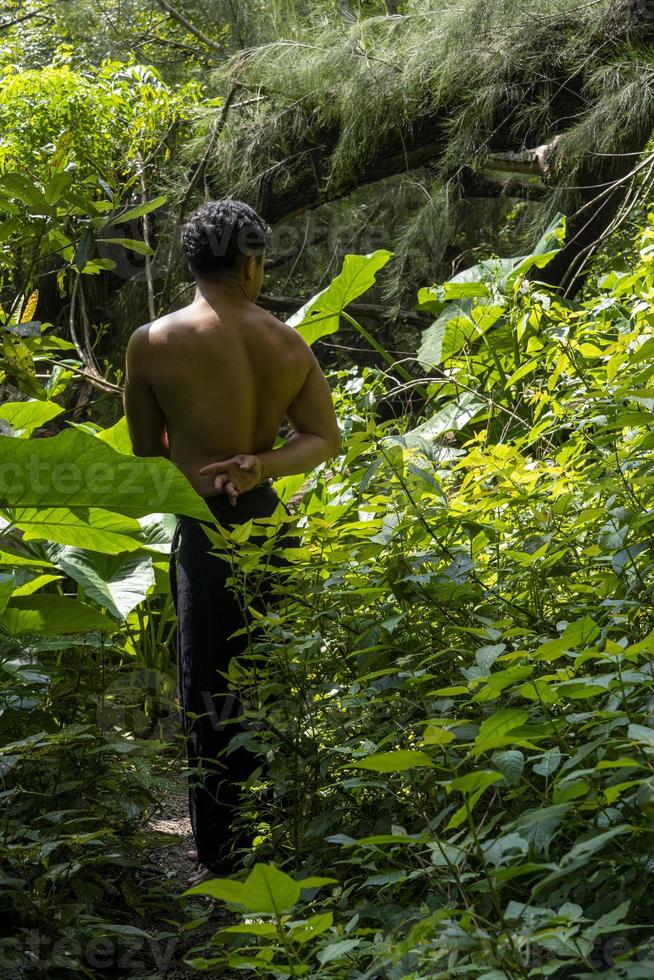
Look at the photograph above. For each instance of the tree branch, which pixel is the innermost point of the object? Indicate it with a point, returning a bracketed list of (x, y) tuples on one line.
[(539, 162), (181, 19), (473, 185), (20, 20)]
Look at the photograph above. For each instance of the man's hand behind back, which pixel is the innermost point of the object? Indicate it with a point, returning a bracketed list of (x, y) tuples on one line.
[(235, 475)]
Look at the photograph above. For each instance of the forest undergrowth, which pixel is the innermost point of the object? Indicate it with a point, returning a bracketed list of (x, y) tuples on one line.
[(451, 701)]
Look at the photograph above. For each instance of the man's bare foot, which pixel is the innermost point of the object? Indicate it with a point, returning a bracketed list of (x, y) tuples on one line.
[(221, 868), (202, 874)]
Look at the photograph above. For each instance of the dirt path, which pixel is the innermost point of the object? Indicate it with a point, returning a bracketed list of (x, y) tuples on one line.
[(164, 875)]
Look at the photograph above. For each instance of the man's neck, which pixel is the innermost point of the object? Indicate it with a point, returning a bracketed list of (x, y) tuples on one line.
[(220, 292)]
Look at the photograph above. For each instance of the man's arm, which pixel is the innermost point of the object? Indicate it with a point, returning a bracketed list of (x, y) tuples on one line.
[(145, 420), (316, 436)]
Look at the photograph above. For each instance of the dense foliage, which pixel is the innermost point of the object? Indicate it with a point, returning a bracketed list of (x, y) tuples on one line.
[(468, 686), (452, 700)]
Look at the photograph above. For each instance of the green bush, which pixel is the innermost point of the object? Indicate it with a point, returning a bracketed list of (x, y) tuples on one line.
[(456, 694)]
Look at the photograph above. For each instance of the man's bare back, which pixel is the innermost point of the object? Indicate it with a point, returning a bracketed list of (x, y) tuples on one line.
[(223, 378), (216, 379)]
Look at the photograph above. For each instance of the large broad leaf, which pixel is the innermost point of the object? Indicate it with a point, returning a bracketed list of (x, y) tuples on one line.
[(7, 585), (85, 527), (225, 889), (265, 890), (75, 469), (14, 184), (321, 315), (157, 531), (492, 275), (118, 583), (117, 436), (52, 615), (452, 418), (15, 558), (24, 417)]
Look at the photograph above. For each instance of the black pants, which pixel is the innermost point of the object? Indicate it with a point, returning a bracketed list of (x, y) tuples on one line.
[(208, 612)]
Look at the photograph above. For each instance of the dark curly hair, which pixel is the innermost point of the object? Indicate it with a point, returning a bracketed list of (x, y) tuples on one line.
[(219, 233)]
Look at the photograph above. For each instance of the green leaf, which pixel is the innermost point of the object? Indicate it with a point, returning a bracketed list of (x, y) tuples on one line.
[(57, 186), (578, 690), (303, 931), (267, 889), (388, 839), (336, 950), (495, 731), (118, 584), (641, 734), (539, 826), (91, 528), (580, 633), (52, 615), (579, 856), (26, 416), (7, 583), (461, 322), (392, 761), (140, 210), (117, 436), (511, 764), (452, 418), (321, 315), (472, 782), (85, 249), (14, 184), (462, 319), (77, 469), (248, 929), (14, 558), (525, 369), (133, 244), (316, 881), (222, 888), (19, 364), (547, 246), (549, 762)]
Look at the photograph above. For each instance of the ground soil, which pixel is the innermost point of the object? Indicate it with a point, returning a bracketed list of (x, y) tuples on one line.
[(164, 874)]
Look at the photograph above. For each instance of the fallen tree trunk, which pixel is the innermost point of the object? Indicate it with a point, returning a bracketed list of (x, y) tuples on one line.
[(527, 134)]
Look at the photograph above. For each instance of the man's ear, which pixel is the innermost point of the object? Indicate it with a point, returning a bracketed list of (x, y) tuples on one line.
[(249, 266)]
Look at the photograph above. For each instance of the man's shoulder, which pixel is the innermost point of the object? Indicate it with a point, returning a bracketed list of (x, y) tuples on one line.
[(290, 338), (148, 333)]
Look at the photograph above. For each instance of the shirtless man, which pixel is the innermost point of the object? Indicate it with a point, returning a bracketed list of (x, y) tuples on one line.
[(208, 387)]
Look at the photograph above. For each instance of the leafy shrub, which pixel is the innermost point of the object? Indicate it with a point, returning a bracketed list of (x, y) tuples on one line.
[(455, 696)]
